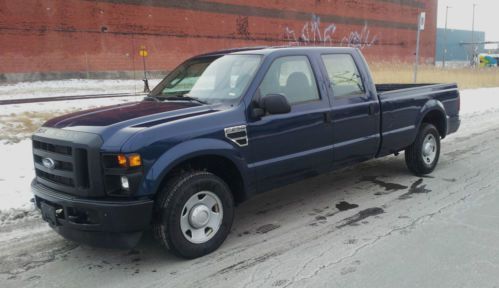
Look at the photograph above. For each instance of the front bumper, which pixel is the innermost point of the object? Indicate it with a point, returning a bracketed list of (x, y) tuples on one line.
[(105, 223)]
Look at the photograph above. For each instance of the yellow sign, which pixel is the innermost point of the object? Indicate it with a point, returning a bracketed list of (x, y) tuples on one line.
[(143, 52)]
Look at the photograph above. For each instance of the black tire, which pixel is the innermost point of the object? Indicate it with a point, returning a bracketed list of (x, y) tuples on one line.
[(168, 210), (414, 153)]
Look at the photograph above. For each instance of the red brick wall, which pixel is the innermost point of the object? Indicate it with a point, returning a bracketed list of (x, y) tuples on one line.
[(68, 36)]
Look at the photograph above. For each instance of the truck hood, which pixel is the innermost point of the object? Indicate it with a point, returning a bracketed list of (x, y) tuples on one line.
[(109, 115), (115, 124)]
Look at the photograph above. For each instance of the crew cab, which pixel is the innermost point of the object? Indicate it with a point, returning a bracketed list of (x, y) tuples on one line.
[(220, 128)]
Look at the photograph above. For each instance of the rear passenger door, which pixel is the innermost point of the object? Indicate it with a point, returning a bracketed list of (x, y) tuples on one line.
[(355, 111), (291, 146)]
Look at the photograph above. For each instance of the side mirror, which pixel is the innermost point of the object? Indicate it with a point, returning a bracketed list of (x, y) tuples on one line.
[(273, 104)]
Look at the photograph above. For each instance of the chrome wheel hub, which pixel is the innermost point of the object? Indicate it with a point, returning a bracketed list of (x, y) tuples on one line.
[(201, 217), (429, 149)]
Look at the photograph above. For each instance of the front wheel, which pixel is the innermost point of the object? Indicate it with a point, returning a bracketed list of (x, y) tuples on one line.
[(422, 156), (194, 214)]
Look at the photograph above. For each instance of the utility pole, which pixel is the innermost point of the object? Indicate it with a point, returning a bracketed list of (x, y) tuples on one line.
[(421, 23), (473, 46), (445, 36)]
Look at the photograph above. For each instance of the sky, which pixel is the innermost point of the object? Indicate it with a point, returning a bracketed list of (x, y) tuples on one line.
[(461, 16)]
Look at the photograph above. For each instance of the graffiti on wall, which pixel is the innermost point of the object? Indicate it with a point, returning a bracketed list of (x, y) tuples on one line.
[(312, 34), (242, 24)]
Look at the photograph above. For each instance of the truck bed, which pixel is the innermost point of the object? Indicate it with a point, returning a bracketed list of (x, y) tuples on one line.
[(402, 106)]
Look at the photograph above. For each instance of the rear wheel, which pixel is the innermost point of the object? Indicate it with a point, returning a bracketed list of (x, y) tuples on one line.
[(422, 156), (194, 214)]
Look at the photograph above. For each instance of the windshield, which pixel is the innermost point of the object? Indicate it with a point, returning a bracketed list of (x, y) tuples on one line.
[(211, 80)]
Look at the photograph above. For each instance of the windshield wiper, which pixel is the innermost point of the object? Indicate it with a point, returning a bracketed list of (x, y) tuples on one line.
[(152, 98), (184, 97)]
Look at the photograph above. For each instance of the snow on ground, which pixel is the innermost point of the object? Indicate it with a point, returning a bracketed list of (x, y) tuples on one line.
[(18, 121), (15, 176), (479, 100), (71, 87)]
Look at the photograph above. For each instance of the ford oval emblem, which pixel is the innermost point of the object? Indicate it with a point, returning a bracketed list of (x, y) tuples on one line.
[(48, 163)]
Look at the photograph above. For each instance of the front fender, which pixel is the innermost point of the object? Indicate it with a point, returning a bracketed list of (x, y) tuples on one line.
[(188, 150)]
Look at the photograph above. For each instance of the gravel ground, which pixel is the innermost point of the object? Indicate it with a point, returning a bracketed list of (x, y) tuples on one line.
[(371, 225)]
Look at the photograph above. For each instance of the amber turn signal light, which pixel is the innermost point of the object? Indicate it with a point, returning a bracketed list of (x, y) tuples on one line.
[(131, 160), (122, 160), (134, 160)]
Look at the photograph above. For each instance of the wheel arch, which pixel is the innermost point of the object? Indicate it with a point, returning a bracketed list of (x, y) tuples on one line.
[(433, 112), (217, 157)]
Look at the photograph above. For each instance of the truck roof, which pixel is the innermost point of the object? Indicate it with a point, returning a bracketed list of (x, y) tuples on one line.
[(264, 50)]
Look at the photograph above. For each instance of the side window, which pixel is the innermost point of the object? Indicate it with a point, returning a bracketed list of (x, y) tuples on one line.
[(343, 74), (292, 77)]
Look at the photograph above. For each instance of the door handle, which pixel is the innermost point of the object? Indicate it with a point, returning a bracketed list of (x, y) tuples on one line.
[(371, 108), (327, 117)]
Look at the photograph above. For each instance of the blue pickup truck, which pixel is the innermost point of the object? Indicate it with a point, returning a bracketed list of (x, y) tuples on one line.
[(220, 128)]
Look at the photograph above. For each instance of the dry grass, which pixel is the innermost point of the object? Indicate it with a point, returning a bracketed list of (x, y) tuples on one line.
[(18, 126), (466, 78)]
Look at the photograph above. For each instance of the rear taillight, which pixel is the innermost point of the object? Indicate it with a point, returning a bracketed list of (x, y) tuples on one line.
[(458, 102)]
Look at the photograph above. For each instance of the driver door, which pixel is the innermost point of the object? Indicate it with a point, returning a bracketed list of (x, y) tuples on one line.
[(289, 147)]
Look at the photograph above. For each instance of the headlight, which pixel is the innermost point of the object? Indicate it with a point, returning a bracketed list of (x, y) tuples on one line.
[(122, 173)]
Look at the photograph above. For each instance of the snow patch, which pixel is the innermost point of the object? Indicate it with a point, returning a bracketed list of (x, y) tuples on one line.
[(71, 87), (14, 215), (16, 173), (479, 100)]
